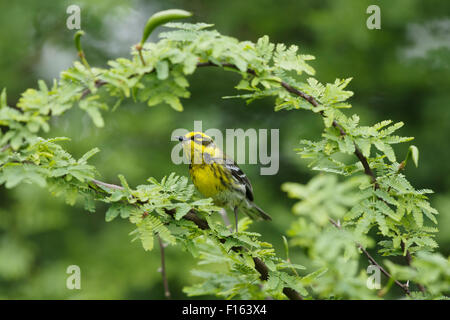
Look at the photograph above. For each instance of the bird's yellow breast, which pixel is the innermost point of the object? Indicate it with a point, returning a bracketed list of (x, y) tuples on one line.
[(208, 179)]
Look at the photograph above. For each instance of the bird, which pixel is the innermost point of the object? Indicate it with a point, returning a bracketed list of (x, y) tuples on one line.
[(217, 176)]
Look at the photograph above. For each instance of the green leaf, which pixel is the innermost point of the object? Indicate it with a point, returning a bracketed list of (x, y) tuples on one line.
[(88, 155), (124, 183), (3, 100), (274, 281), (13, 174), (270, 264), (382, 224), (162, 69), (265, 48), (174, 102), (365, 145), (309, 278), (288, 59), (112, 212), (181, 210), (92, 109), (147, 239), (418, 216)]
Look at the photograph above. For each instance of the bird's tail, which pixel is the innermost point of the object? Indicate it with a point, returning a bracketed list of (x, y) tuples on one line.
[(255, 212)]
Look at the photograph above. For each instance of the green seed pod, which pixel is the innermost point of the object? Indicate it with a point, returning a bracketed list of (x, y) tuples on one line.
[(414, 152), (77, 41), (160, 18)]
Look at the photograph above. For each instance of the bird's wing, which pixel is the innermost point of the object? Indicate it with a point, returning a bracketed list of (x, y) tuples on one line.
[(238, 175)]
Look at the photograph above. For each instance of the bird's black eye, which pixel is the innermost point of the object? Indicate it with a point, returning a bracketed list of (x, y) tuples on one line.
[(180, 138), (206, 142), (199, 139)]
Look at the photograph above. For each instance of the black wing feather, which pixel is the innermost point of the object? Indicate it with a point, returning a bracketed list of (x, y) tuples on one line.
[(237, 174), (240, 176)]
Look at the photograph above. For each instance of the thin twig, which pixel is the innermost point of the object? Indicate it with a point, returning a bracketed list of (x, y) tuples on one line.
[(408, 262), (163, 270), (373, 261), (139, 50), (5, 147), (98, 84), (107, 185)]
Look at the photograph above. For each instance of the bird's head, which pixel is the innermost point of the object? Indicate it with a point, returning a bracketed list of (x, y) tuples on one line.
[(198, 147)]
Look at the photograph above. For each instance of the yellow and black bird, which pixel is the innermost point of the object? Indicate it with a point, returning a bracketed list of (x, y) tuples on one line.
[(218, 177)]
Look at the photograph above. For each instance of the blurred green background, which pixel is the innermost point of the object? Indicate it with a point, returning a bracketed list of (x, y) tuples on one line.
[(400, 72)]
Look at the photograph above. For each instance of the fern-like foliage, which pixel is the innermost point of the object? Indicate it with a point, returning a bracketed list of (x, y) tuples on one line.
[(158, 74)]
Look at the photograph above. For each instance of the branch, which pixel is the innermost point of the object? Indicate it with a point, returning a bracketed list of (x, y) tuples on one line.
[(260, 266), (107, 185), (163, 269), (408, 262), (373, 261), (5, 147), (98, 84)]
